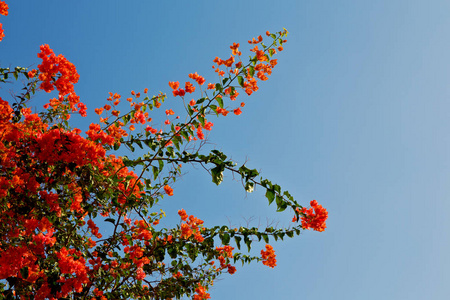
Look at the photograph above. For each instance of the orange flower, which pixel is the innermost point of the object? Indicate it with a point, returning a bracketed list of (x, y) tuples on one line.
[(182, 213), (169, 112), (201, 293), (234, 49), (2, 34), (168, 190), (268, 257), (189, 87), (32, 73), (314, 217), (174, 84)]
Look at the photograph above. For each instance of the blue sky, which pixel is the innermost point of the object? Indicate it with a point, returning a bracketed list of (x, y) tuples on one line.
[(355, 115)]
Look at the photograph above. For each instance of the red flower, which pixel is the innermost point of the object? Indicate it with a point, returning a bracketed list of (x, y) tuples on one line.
[(314, 217), (3, 8)]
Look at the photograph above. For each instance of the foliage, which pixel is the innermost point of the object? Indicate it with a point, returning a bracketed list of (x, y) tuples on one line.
[(58, 184)]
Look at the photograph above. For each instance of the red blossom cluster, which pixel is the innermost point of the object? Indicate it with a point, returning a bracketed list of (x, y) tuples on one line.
[(225, 253), (268, 257), (35, 161), (193, 226), (314, 217), (3, 11), (57, 72)]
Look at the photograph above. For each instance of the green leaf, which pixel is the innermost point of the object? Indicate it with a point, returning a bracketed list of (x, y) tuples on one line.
[(238, 241), (225, 238), (270, 195), (110, 220), (252, 71), (155, 172), (248, 242), (265, 237), (24, 272), (217, 174), (241, 81), (185, 135), (220, 101), (139, 143), (281, 204), (249, 186), (176, 141), (172, 251), (202, 120)]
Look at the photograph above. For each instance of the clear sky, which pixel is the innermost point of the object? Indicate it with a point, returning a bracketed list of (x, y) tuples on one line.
[(355, 115)]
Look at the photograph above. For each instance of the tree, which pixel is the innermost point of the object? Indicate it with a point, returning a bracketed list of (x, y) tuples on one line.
[(58, 184)]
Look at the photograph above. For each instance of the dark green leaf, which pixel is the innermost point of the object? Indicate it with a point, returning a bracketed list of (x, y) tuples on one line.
[(24, 272), (225, 238), (238, 241)]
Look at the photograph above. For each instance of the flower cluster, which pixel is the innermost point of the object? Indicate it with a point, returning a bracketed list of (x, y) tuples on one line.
[(225, 253), (193, 226), (268, 257), (57, 72), (201, 293), (3, 11), (314, 217)]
